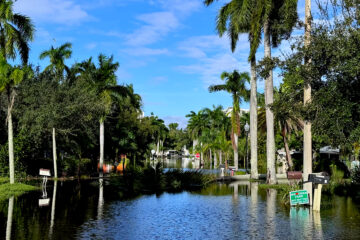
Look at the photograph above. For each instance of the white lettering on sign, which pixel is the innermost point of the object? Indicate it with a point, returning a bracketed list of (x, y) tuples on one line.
[(44, 172)]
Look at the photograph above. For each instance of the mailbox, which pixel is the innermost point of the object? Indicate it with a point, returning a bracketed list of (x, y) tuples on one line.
[(319, 178)]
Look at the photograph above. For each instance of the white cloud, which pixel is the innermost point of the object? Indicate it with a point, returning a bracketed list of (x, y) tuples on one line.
[(156, 25), (182, 121), (143, 51), (58, 11), (210, 69), (212, 56)]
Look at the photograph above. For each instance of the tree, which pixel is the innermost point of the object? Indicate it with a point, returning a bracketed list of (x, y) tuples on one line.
[(56, 68), (10, 77), (307, 167), (103, 79), (235, 18), (16, 31), (57, 58), (287, 115), (279, 18), (235, 85)]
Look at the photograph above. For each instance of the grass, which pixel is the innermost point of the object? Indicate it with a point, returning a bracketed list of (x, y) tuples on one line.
[(8, 190), (283, 190), (240, 173)]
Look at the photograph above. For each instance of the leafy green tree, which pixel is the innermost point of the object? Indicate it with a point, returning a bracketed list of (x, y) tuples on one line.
[(235, 85), (103, 79)]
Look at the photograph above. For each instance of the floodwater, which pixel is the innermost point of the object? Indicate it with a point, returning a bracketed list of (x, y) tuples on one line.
[(240, 210)]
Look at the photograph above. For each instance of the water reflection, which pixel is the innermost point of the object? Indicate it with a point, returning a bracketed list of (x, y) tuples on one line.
[(53, 207), (240, 210), (100, 208), (9, 218), (253, 209), (270, 212)]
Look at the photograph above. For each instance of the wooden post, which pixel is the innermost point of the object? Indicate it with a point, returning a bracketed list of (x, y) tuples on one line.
[(317, 197)]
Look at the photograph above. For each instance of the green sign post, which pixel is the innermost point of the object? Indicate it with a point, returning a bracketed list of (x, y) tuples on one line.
[(299, 197)]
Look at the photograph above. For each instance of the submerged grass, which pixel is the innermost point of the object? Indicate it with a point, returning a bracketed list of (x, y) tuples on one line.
[(283, 190), (150, 180), (8, 190)]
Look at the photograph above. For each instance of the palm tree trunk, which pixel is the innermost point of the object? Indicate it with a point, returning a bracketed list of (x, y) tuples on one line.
[(287, 150), (158, 147), (101, 163), (307, 160), (54, 153), (195, 143), (210, 158), (220, 157), (215, 160), (11, 147), (236, 152), (253, 120), (269, 99)]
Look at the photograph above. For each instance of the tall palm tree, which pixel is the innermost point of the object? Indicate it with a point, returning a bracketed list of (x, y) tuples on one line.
[(235, 85), (10, 77), (234, 18), (16, 31), (57, 58), (278, 17), (217, 121), (307, 161), (197, 124), (103, 79)]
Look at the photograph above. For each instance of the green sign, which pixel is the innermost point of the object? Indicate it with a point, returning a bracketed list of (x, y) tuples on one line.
[(299, 197)]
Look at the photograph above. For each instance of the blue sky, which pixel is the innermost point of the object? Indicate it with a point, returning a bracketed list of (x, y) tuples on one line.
[(168, 49)]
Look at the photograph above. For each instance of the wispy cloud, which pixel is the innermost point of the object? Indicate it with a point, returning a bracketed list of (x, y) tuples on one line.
[(59, 11), (156, 25), (144, 51), (212, 56)]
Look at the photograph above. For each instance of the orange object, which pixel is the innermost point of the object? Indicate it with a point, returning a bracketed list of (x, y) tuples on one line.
[(106, 168), (120, 167)]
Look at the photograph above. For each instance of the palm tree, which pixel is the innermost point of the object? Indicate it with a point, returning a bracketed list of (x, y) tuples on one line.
[(197, 124), (307, 161), (234, 18), (16, 31), (57, 58), (10, 77), (287, 117), (235, 85), (103, 79), (279, 18)]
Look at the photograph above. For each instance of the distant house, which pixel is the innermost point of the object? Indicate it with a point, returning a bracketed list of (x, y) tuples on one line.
[(228, 111)]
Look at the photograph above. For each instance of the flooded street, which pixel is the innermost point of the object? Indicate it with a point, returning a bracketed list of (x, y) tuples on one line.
[(240, 210)]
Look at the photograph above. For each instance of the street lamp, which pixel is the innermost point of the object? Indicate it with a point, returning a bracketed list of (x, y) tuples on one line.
[(246, 128)]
